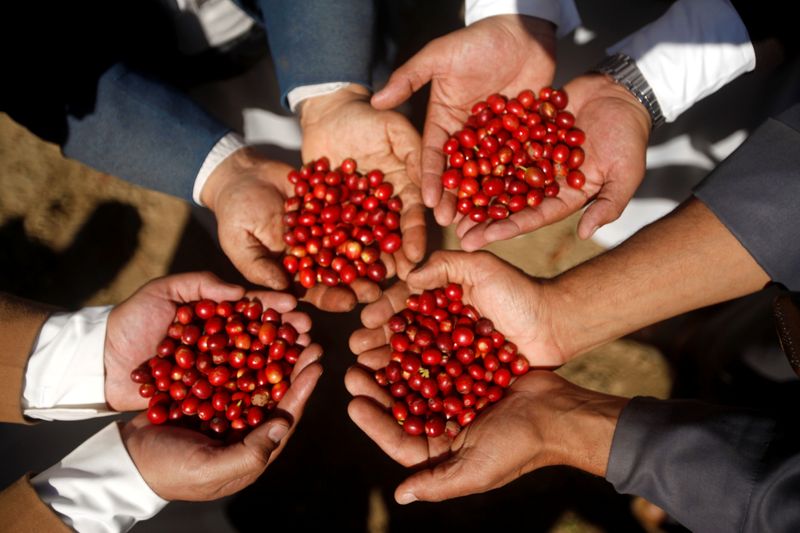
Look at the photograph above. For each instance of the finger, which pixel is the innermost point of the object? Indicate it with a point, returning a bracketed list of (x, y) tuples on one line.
[(193, 286), (406, 80), (375, 358), (392, 300), (448, 267), (607, 207), (256, 262), (304, 339), (466, 224), (412, 228), (293, 403), (301, 321), (366, 291), (334, 299), (368, 339), (359, 382), (311, 354), (432, 159), (389, 261), (445, 211), (379, 426), (446, 480), (279, 301)]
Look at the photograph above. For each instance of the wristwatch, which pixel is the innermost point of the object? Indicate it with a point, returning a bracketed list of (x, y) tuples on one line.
[(623, 70)]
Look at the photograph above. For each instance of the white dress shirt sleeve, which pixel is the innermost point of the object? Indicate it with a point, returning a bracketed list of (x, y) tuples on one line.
[(227, 145), (297, 95), (96, 488), (65, 376), (694, 49), (562, 13)]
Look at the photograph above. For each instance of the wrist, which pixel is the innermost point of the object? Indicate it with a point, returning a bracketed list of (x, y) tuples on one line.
[(525, 29), (583, 436), (623, 71), (244, 161), (314, 109)]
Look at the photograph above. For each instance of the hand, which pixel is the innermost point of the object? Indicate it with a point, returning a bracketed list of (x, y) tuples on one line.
[(505, 54), (139, 323), (246, 192), (182, 464), (518, 305), (543, 420), (342, 125), (617, 131)]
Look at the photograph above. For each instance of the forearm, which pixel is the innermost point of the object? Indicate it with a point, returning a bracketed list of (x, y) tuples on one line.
[(712, 468), (315, 41), (684, 261), (143, 131), (20, 322)]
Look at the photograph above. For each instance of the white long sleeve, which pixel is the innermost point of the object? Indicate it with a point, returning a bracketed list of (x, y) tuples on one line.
[(96, 488), (562, 13), (227, 145), (65, 377), (694, 49)]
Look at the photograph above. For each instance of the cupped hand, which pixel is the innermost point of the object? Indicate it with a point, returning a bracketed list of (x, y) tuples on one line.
[(344, 125), (542, 420), (617, 131), (247, 192), (501, 54), (518, 305), (183, 464), (137, 325)]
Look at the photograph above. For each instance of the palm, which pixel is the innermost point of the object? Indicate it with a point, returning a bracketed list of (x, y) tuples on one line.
[(617, 132), (491, 56), (382, 140), (135, 327)]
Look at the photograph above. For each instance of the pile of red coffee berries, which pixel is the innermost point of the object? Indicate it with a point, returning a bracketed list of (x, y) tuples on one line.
[(448, 363), (511, 152), (226, 363), (338, 223)]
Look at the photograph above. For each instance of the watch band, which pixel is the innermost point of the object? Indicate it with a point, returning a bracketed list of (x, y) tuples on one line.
[(623, 70)]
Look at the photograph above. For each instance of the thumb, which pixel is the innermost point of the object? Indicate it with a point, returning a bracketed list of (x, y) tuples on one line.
[(443, 267), (266, 438), (442, 482), (406, 80), (607, 207), (254, 261)]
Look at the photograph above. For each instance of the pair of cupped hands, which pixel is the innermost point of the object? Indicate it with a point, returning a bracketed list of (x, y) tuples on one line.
[(532, 426)]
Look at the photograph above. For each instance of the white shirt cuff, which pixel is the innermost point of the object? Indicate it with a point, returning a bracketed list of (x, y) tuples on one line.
[(296, 96), (562, 13), (97, 488), (226, 146), (694, 49), (65, 376)]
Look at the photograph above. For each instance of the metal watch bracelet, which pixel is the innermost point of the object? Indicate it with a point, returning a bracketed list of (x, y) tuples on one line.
[(623, 70)]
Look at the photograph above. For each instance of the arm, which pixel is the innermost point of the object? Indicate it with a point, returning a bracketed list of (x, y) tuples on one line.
[(710, 467), (20, 322)]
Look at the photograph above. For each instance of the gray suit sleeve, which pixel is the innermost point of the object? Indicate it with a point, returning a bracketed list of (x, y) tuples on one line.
[(756, 193), (712, 468)]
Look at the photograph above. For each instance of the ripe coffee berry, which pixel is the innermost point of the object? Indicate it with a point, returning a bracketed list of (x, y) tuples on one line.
[(338, 224), (229, 366), (511, 152), (448, 363)]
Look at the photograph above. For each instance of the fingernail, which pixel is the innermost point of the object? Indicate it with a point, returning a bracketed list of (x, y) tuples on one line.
[(591, 233), (406, 498), (277, 432)]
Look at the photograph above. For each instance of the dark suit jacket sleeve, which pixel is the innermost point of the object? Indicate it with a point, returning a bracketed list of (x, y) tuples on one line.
[(712, 468), (319, 41), (756, 193), (21, 511), (143, 131), (20, 322)]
